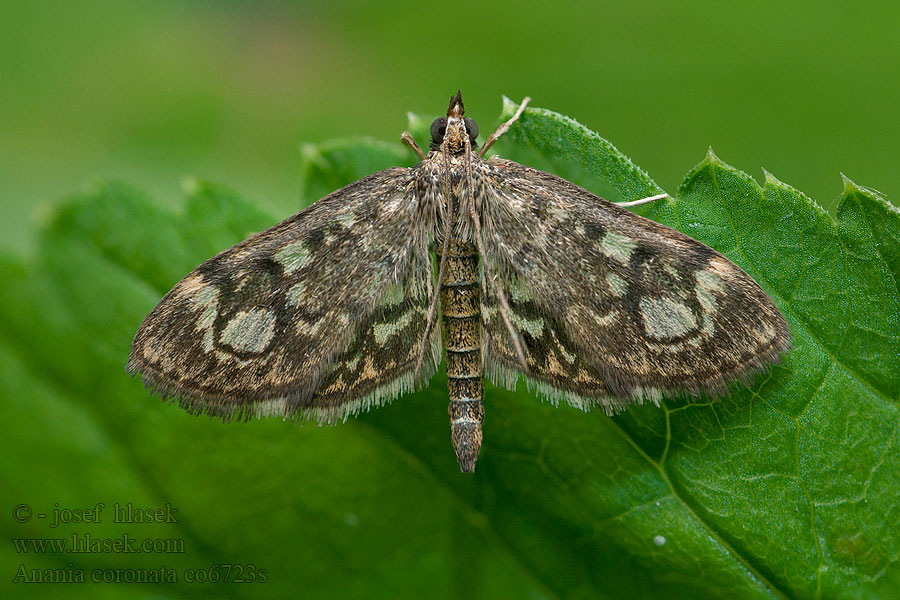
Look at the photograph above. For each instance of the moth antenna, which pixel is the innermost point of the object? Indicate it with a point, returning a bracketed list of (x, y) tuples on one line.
[(411, 142), (504, 127), (642, 200), (498, 291)]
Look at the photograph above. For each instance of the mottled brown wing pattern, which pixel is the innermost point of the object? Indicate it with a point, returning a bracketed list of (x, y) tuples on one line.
[(285, 321), (555, 366), (645, 309), (378, 363)]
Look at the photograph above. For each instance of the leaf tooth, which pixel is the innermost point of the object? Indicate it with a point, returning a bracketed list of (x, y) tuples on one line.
[(773, 183), (849, 186), (509, 107), (416, 122), (712, 159), (190, 185), (310, 152), (771, 179)]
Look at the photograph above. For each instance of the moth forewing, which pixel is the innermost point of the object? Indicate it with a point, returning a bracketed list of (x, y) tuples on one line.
[(616, 307), (316, 317), (335, 310)]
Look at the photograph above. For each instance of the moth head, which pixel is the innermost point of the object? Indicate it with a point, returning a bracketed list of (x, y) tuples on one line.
[(454, 128)]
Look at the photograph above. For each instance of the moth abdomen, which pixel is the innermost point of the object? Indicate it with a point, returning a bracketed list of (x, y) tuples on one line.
[(461, 313), (466, 417)]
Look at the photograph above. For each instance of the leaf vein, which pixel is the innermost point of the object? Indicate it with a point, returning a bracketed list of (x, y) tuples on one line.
[(740, 558)]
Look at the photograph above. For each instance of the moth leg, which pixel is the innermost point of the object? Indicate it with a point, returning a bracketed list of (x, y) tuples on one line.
[(503, 127), (432, 311), (643, 200), (409, 141), (505, 310)]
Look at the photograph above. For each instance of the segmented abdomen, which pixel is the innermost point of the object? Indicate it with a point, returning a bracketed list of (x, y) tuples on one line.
[(461, 312)]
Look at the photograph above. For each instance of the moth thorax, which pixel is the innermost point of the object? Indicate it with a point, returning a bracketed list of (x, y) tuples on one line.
[(461, 312), (456, 135)]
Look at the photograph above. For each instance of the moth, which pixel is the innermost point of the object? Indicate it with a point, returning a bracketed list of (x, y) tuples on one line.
[(337, 309)]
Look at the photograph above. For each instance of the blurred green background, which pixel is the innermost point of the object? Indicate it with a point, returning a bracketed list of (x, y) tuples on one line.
[(151, 92)]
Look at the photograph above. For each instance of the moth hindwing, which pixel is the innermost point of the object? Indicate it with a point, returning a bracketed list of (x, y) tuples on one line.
[(335, 309)]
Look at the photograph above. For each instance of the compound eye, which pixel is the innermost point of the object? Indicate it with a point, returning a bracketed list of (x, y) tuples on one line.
[(471, 129), (438, 129)]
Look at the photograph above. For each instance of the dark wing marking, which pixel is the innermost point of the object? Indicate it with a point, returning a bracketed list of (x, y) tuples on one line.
[(645, 309), (379, 361), (555, 365), (272, 325)]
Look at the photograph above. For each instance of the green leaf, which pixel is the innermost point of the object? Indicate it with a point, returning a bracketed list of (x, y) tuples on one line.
[(559, 144), (787, 488), (330, 165)]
